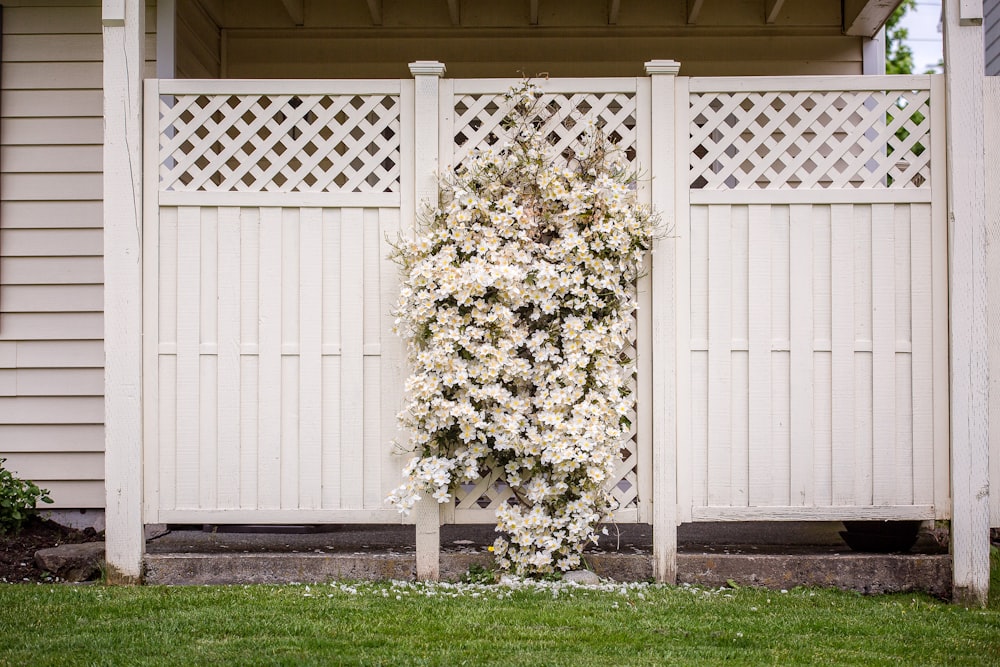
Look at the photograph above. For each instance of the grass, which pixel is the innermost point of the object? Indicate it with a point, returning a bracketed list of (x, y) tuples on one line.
[(394, 624)]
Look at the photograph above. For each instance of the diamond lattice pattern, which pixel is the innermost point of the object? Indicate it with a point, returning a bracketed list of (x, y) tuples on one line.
[(478, 121), (803, 140), (279, 143), (478, 126)]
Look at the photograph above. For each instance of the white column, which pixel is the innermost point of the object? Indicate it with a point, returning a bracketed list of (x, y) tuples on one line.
[(963, 57), (426, 118), (663, 151), (124, 41)]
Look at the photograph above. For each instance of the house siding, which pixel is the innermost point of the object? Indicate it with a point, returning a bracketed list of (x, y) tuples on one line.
[(51, 245)]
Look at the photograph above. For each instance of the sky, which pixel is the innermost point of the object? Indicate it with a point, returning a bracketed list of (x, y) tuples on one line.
[(924, 39)]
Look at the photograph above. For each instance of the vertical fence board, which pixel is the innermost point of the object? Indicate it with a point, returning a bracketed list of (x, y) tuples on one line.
[(800, 296), (842, 353), (822, 358), (699, 333), (290, 362), (188, 356), (310, 358), (759, 291), (227, 387), (923, 354), (269, 396), (903, 467), (331, 357), (780, 358), (883, 354), (863, 355), (372, 319), (352, 357), (209, 339), (249, 359), (740, 435), (166, 461), (720, 346), (393, 366)]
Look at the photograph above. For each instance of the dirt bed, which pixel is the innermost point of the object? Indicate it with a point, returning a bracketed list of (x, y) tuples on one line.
[(17, 552)]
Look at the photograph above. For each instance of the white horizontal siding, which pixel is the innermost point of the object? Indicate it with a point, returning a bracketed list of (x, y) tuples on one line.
[(51, 245)]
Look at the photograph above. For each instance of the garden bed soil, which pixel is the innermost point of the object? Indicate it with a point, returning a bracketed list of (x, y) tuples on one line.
[(17, 552)]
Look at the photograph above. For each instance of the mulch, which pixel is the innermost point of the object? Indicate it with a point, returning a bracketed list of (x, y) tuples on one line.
[(17, 552)]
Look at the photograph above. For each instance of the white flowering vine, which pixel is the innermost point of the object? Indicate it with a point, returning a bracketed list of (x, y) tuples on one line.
[(516, 302)]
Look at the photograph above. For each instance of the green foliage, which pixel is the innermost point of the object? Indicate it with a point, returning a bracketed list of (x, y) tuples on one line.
[(397, 624), (898, 56), (478, 574), (18, 498)]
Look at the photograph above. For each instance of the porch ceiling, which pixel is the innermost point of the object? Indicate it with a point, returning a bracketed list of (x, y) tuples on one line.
[(852, 17)]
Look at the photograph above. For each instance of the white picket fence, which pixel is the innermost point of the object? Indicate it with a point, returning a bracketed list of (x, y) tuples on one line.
[(799, 332)]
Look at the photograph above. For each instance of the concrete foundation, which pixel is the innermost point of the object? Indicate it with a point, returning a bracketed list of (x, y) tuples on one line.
[(783, 557)]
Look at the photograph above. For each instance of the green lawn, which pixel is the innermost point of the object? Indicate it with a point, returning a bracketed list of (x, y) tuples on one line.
[(393, 624)]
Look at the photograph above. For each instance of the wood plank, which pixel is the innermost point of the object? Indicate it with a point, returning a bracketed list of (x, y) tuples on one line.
[(50, 242), (58, 354), (842, 361), (52, 326), (799, 513), (51, 298), (52, 437), (863, 415), (311, 369), (904, 454), (208, 299), (331, 407), (48, 20), (392, 367), (289, 334), (76, 494), (699, 331), (921, 290), (991, 100), (822, 341), (51, 410), (371, 316), (188, 387), (800, 269), (352, 361), (720, 335), (60, 382), (883, 355), (759, 357), (51, 214), (42, 467), (781, 391), (51, 76), (249, 365), (270, 389), (53, 270), (51, 159), (34, 187), (228, 416)]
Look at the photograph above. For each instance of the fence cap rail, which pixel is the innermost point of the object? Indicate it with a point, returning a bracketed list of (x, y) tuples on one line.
[(278, 86), (779, 84)]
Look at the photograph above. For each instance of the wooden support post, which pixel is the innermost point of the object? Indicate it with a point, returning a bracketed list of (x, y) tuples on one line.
[(124, 41), (663, 75), (963, 56), (427, 75)]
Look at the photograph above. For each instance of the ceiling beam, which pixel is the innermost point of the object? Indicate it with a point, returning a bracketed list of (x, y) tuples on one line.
[(694, 9), (613, 8), (296, 10), (375, 9), (533, 12), (773, 9), (455, 10), (864, 18)]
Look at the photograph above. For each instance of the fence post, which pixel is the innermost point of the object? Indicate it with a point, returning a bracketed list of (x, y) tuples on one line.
[(426, 119), (663, 75)]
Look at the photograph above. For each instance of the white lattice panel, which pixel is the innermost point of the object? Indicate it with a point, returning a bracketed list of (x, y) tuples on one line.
[(279, 143), (810, 140), (477, 120)]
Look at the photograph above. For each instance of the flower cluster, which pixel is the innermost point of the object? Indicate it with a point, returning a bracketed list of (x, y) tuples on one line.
[(516, 303)]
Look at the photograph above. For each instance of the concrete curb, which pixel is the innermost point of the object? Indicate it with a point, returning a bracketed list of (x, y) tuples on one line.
[(864, 573)]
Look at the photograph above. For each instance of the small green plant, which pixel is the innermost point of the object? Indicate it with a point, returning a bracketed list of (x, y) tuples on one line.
[(18, 498), (478, 574)]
